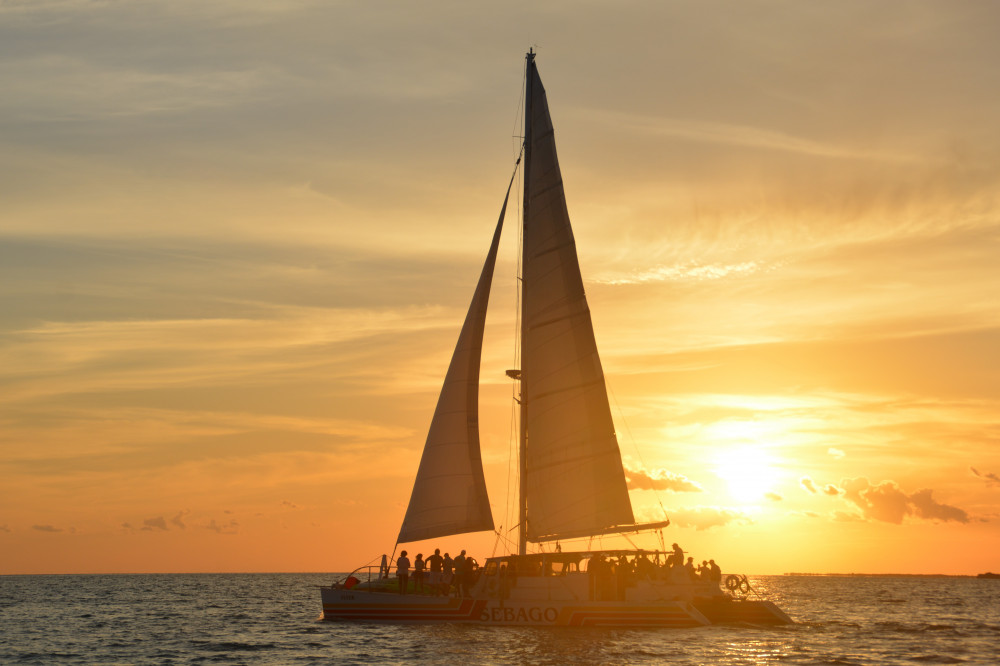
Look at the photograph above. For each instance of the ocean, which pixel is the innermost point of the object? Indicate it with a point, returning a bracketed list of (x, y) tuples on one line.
[(274, 619)]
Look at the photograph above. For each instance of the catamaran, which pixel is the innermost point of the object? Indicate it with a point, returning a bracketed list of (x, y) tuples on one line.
[(571, 479)]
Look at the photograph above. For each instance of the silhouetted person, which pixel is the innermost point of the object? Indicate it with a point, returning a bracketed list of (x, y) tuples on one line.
[(418, 573), (459, 571), (434, 562), (447, 569), (644, 567), (403, 571), (689, 569), (468, 575), (714, 572), (677, 557)]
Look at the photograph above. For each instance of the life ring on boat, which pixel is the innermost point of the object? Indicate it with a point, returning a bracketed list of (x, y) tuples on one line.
[(733, 582), (745, 586)]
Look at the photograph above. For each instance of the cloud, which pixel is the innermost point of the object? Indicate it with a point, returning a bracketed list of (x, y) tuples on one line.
[(232, 527), (926, 507), (703, 518), (845, 517), (830, 489), (991, 479), (46, 528), (808, 484), (660, 479), (887, 502), (289, 505), (691, 271), (157, 523), (774, 497), (176, 520), (836, 453), (4, 528)]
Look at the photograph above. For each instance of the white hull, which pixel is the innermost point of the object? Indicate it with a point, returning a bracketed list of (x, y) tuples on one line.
[(567, 600), (361, 606)]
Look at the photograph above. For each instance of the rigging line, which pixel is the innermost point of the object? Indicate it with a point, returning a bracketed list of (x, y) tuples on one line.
[(512, 439), (628, 430)]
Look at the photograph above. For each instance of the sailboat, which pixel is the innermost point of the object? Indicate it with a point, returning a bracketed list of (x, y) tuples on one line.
[(571, 478)]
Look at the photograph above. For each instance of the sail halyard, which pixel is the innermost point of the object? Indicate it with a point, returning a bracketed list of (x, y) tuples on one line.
[(449, 493), (572, 479)]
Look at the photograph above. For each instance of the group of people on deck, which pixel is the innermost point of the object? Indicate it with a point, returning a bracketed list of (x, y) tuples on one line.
[(438, 575), (610, 576)]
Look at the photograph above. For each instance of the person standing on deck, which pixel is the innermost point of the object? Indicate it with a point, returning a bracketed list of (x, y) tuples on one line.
[(418, 573), (714, 572), (689, 568), (447, 567), (459, 573), (403, 571), (434, 579)]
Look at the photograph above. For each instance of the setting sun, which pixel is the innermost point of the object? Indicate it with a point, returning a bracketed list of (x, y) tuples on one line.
[(748, 472)]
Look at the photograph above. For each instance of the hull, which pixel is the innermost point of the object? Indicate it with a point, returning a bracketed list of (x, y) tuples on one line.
[(363, 606), (728, 611)]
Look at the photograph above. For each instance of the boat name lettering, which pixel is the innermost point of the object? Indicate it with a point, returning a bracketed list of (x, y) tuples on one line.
[(532, 614)]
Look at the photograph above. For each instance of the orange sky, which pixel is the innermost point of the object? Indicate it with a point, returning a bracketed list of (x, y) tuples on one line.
[(237, 240)]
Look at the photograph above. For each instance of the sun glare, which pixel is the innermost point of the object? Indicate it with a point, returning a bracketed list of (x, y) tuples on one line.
[(748, 473)]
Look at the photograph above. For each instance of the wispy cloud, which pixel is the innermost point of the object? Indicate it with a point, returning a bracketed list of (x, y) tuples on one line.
[(660, 479), (228, 527), (991, 479), (155, 523), (749, 136), (706, 517), (46, 528), (691, 271), (177, 521)]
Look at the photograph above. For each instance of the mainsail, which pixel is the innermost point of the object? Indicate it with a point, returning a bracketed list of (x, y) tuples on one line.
[(575, 483), (449, 494)]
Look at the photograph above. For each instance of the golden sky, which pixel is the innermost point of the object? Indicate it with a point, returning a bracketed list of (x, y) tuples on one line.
[(238, 238)]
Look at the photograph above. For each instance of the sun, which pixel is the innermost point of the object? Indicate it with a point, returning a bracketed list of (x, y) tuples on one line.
[(748, 471)]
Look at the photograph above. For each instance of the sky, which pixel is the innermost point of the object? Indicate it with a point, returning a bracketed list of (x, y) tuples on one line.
[(238, 239)]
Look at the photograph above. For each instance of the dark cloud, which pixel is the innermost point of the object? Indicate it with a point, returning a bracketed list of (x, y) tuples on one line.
[(231, 527), (177, 520), (157, 523), (926, 507), (46, 528), (991, 479), (830, 489), (660, 479), (887, 502), (289, 505), (808, 485), (703, 518)]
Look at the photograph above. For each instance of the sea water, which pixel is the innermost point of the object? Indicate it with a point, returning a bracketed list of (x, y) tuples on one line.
[(274, 619)]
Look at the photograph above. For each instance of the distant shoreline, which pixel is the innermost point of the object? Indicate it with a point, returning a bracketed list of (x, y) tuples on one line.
[(334, 573), (884, 575)]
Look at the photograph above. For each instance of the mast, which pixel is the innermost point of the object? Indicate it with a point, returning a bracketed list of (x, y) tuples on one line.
[(522, 531)]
